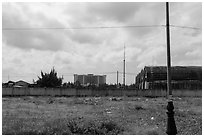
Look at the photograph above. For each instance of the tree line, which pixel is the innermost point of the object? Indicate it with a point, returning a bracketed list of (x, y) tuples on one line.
[(51, 80)]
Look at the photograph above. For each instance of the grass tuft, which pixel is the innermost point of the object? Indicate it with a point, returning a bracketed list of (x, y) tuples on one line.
[(94, 128), (64, 127), (138, 107)]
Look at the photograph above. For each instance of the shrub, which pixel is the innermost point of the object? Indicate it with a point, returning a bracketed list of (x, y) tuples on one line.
[(49, 79), (93, 127), (138, 107)]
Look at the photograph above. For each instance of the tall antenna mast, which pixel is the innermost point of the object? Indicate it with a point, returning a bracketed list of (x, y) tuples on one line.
[(124, 67)]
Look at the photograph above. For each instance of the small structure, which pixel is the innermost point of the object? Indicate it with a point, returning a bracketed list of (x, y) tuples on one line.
[(183, 77), (8, 84), (21, 83)]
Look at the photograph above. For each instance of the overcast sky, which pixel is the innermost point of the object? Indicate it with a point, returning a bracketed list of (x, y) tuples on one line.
[(26, 52)]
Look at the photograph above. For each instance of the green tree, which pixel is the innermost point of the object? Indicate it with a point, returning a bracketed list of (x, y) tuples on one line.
[(49, 79)]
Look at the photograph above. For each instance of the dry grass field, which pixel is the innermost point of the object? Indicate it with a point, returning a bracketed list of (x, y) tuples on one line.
[(98, 115)]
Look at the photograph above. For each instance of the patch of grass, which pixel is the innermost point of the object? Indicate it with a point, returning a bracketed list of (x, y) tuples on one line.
[(78, 101), (196, 102), (138, 107), (36, 127), (151, 132), (88, 115), (50, 101), (87, 101), (62, 127), (180, 114), (94, 127)]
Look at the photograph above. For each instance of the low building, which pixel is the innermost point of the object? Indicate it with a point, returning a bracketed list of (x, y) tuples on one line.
[(183, 77), (8, 84), (21, 83), (90, 79)]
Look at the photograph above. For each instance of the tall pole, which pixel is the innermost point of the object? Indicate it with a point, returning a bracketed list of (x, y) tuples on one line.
[(117, 78), (171, 126), (169, 90), (124, 68)]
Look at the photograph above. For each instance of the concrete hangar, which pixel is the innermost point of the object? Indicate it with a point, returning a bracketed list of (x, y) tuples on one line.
[(182, 77)]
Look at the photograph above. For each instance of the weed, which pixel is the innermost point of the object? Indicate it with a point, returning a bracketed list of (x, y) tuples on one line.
[(93, 128), (152, 132), (149, 131), (62, 127), (138, 107), (111, 127), (50, 101), (25, 120)]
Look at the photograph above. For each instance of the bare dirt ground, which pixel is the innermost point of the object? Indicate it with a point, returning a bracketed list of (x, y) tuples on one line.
[(98, 115)]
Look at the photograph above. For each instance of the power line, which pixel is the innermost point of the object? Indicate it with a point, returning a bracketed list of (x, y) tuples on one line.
[(81, 28), (100, 27), (16, 76), (128, 73), (185, 27), (65, 74)]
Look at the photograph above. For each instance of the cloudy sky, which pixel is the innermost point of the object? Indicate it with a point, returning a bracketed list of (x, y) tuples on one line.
[(68, 37)]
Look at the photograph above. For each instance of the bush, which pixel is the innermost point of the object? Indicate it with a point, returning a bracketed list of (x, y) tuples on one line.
[(94, 128), (77, 126), (49, 79), (138, 107)]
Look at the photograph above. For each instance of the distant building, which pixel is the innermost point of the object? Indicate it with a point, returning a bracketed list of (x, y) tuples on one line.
[(21, 83), (8, 84), (90, 79), (182, 77)]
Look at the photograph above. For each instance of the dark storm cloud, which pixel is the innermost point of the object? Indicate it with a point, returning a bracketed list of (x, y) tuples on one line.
[(186, 13), (101, 12), (84, 37), (151, 15), (87, 50), (192, 33), (30, 39), (119, 14), (84, 15), (33, 40), (12, 18), (121, 11)]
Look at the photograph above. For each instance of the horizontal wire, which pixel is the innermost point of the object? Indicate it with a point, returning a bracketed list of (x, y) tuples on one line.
[(66, 74), (102, 27), (186, 27), (80, 28)]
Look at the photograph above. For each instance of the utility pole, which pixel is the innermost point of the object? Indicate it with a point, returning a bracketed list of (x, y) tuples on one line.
[(124, 68), (171, 126), (117, 78)]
